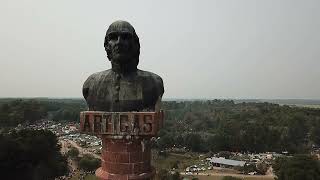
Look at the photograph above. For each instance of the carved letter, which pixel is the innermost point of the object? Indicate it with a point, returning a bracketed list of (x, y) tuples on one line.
[(136, 124), (97, 123), (147, 126), (86, 123), (107, 124), (124, 123), (115, 123)]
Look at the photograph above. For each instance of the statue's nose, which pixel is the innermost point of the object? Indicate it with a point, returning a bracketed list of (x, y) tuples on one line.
[(119, 39)]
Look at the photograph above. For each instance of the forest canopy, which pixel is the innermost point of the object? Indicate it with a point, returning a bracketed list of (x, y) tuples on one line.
[(210, 125)]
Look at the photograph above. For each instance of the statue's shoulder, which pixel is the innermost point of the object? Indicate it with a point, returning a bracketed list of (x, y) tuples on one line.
[(95, 77), (156, 80), (149, 76)]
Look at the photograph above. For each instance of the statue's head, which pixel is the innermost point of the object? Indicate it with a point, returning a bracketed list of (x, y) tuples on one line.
[(122, 44)]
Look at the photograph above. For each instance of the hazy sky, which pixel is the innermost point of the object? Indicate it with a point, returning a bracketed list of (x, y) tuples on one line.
[(201, 49)]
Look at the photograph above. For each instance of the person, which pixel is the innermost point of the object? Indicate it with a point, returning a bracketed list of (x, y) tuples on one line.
[(124, 87)]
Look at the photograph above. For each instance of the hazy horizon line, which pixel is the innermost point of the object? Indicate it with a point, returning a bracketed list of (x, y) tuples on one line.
[(179, 98)]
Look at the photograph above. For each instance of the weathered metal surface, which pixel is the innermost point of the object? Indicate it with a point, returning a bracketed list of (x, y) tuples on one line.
[(123, 87), (121, 123)]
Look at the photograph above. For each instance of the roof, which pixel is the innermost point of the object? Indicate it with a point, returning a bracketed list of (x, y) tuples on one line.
[(224, 161)]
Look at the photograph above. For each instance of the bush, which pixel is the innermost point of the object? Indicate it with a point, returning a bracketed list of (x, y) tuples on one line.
[(89, 163), (225, 154), (162, 174), (175, 176), (248, 168), (73, 153), (174, 164), (262, 168)]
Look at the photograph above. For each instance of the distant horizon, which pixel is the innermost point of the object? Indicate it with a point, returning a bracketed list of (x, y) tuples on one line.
[(48, 97)]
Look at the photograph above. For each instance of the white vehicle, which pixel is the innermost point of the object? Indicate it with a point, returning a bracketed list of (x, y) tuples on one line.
[(252, 173)]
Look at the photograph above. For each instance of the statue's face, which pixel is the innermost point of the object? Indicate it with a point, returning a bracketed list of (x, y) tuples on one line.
[(120, 44)]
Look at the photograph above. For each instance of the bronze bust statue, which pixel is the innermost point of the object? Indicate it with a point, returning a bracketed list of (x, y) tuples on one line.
[(123, 87)]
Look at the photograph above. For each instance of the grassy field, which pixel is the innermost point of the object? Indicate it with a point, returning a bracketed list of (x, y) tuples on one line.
[(184, 160), (219, 177), (188, 159), (88, 177)]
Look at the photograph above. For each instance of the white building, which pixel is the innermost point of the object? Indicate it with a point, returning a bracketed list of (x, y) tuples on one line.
[(225, 162)]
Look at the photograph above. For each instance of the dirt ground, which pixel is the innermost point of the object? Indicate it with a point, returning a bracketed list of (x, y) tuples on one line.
[(66, 144)]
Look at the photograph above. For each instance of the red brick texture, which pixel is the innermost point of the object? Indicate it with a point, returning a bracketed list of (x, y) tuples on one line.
[(124, 159)]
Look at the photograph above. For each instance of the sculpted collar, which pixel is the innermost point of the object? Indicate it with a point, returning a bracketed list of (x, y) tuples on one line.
[(124, 69)]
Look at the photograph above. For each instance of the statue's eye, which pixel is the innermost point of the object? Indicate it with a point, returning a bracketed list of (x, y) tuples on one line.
[(113, 36), (126, 36)]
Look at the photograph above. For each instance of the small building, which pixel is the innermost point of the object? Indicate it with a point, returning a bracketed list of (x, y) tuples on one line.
[(225, 162)]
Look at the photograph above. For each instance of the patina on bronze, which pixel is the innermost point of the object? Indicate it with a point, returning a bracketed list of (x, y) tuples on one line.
[(123, 87), (124, 108)]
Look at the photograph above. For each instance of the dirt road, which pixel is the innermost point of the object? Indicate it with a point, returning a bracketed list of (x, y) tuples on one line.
[(66, 145), (82, 150)]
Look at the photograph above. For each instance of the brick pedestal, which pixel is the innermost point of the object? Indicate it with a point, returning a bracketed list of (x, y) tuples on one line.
[(126, 151), (124, 159)]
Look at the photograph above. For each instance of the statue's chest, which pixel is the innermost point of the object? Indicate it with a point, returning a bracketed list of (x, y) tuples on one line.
[(113, 93), (128, 90), (119, 90), (119, 94)]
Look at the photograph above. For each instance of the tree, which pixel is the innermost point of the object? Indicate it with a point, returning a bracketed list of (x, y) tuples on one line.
[(73, 153), (31, 154), (296, 133), (262, 168), (175, 176), (162, 174), (89, 163), (165, 141), (315, 132), (225, 154), (194, 142), (248, 168), (174, 164), (297, 167)]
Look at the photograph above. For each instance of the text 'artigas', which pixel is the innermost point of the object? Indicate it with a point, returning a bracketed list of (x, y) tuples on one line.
[(120, 123)]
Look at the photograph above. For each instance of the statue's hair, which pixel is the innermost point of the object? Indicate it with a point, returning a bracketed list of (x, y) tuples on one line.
[(136, 46)]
